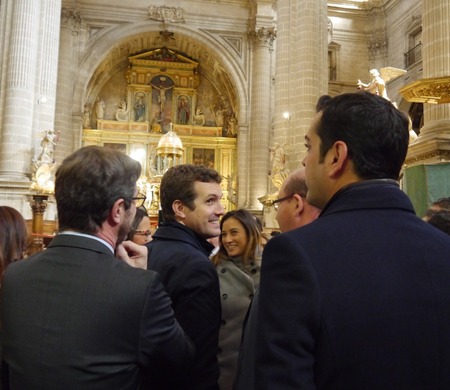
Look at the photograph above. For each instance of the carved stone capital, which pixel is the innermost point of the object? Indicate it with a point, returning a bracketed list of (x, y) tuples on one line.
[(263, 36), (70, 19)]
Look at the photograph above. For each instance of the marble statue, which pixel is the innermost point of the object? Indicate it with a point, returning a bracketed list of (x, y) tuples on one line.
[(100, 108), (87, 116), (122, 112), (379, 79), (377, 86), (199, 117)]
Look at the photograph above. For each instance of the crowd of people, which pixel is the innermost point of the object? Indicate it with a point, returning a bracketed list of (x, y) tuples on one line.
[(352, 294)]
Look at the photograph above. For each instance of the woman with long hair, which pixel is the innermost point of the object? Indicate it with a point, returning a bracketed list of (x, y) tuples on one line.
[(13, 237), (238, 264)]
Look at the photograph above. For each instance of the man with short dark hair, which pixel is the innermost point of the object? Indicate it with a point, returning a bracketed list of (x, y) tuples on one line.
[(76, 317), (191, 206), (440, 219), (360, 297), (437, 205)]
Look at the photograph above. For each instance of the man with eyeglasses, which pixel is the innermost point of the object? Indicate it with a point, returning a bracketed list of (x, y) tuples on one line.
[(293, 211), (75, 316)]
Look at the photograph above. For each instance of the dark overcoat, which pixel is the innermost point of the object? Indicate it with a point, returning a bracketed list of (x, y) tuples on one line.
[(358, 299), (180, 256)]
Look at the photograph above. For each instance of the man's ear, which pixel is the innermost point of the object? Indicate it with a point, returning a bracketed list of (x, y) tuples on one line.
[(117, 211), (178, 209), (299, 203), (337, 158)]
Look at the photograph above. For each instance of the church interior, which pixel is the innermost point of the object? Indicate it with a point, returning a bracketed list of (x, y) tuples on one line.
[(230, 84)]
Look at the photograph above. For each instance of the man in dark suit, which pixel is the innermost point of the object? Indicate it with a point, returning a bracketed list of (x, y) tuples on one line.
[(191, 207), (293, 211), (359, 298), (76, 317)]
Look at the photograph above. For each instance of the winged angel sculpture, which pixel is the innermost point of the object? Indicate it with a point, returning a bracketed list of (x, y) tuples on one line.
[(378, 84)]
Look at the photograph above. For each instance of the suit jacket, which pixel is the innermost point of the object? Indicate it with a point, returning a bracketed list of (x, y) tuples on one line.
[(180, 256), (75, 317), (358, 299)]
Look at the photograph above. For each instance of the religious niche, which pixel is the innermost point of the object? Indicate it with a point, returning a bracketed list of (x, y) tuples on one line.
[(159, 98), (159, 88)]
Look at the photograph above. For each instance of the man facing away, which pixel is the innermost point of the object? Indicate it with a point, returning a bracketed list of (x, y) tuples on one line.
[(293, 211), (359, 298), (190, 201), (76, 317)]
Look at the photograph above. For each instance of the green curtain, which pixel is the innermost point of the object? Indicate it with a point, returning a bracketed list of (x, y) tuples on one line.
[(425, 184)]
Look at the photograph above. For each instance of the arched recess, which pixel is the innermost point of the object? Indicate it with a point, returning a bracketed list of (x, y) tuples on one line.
[(107, 54)]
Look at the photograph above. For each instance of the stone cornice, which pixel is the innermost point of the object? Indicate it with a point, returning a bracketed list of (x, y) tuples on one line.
[(425, 151)]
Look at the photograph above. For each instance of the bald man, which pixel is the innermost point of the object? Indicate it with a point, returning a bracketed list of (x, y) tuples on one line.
[(293, 211), (292, 208)]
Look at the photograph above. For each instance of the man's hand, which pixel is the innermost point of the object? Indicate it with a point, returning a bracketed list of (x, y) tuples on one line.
[(133, 254)]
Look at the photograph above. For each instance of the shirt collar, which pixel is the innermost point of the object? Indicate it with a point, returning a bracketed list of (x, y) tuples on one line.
[(73, 233)]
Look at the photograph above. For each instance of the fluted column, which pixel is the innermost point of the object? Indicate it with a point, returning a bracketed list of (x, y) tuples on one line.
[(262, 40), (46, 77), (301, 72), (68, 59), (428, 159), (20, 99), (243, 164), (436, 61)]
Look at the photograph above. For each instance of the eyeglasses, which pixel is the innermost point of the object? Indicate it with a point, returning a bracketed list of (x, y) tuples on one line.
[(139, 200), (146, 233), (276, 202)]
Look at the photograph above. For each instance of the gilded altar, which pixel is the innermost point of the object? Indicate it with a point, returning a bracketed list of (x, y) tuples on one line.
[(161, 91)]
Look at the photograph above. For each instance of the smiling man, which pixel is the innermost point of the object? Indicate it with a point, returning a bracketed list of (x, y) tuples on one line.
[(190, 201)]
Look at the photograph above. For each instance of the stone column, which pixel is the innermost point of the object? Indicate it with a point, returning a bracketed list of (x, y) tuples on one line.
[(260, 123), (301, 75), (427, 163), (46, 78), (243, 158), (68, 60), (436, 62), (20, 86)]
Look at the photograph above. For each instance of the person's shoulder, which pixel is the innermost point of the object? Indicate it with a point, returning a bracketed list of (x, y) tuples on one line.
[(180, 254)]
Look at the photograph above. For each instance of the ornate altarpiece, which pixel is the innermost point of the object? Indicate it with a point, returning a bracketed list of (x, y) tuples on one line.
[(162, 94)]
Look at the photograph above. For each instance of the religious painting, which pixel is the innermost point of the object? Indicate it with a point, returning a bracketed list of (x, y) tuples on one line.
[(112, 145), (204, 157), (162, 88), (139, 107), (183, 110)]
